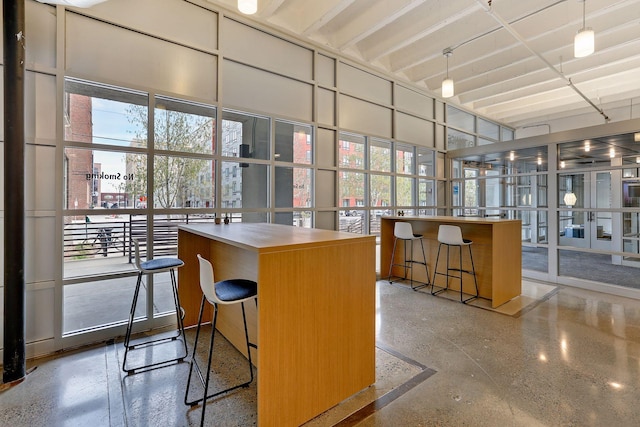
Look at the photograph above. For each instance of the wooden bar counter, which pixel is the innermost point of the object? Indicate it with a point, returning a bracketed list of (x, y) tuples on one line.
[(497, 253), (315, 321)]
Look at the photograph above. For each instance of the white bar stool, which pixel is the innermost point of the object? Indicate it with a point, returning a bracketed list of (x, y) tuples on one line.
[(451, 235), (157, 265), (231, 291), (404, 231)]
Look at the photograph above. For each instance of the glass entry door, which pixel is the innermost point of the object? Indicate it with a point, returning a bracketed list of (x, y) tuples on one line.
[(585, 210)]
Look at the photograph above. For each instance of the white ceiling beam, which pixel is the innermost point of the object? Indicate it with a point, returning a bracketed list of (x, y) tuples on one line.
[(404, 39), (331, 13), (373, 21), (271, 8)]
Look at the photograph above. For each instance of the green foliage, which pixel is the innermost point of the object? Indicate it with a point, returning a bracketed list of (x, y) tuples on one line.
[(175, 176)]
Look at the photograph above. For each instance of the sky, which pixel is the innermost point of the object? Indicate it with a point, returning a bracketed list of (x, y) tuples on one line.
[(111, 126)]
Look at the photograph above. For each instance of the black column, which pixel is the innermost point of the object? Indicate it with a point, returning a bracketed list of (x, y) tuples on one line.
[(13, 14)]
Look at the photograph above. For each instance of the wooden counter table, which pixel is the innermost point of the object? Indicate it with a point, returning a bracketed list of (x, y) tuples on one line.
[(315, 321), (497, 253)]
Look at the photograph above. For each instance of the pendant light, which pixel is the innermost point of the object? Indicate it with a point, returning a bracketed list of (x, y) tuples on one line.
[(583, 44), (447, 83), (248, 7)]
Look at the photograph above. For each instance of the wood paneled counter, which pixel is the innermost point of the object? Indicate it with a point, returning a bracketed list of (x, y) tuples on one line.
[(497, 253), (315, 321)]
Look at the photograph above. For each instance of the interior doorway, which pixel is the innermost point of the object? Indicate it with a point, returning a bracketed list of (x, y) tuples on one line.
[(585, 217)]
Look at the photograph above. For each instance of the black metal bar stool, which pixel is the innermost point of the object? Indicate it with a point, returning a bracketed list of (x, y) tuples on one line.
[(403, 231), (451, 235), (157, 265), (231, 291)]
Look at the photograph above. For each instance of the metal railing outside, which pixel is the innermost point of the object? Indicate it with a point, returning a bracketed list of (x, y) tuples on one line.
[(110, 238)]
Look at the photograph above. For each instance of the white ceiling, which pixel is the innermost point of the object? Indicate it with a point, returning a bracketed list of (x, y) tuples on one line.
[(512, 60)]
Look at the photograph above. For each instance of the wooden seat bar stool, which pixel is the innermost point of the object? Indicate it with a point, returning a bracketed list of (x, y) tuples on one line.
[(230, 291), (403, 231), (154, 266), (451, 235)]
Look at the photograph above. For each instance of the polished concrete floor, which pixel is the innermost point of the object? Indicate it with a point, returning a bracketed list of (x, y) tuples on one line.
[(561, 357)]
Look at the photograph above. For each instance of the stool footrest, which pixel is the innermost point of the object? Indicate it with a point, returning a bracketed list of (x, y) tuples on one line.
[(463, 300), (408, 261), (217, 393), (152, 342), (458, 270)]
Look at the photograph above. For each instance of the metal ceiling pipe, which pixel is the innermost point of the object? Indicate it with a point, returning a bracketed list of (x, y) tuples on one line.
[(517, 36), (13, 14)]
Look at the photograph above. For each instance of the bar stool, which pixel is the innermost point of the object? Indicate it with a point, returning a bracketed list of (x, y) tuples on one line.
[(451, 235), (404, 231), (231, 291), (157, 265)]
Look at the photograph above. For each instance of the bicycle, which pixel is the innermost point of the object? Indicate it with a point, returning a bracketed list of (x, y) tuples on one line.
[(101, 242)]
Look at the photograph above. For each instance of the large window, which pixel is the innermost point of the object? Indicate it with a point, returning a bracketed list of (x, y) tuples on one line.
[(137, 165), (293, 180), (245, 136), (466, 130), (123, 180), (378, 177)]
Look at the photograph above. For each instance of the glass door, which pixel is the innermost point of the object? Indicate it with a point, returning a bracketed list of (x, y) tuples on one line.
[(585, 218), (600, 218)]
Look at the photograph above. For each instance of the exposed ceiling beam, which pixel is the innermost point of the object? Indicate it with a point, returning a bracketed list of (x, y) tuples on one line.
[(560, 75)]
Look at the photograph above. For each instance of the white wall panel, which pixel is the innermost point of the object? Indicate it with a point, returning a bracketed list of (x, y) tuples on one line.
[(132, 58), (326, 189), (441, 137), (40, 108), (440, 108), (361, 116), (415, 130), (364, 85), (413, 102), (31, 175), (173, 20), (39, 309), (326, 220), (251, 46), (40, 249), (325, 71), (40, 23), (440, 173), (39, 180), (257, 90), (326, 148), (326, 107)]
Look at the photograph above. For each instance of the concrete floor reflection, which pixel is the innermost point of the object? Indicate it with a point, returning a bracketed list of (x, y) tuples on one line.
[(571, 357)]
